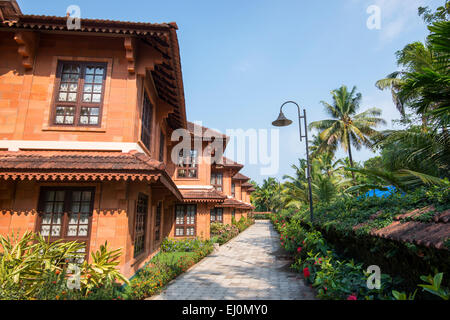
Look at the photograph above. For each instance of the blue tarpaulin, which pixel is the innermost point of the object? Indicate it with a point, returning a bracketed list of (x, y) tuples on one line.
[(380, 193)]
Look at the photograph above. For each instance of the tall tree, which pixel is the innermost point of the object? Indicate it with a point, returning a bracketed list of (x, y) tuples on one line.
[(346, 127)]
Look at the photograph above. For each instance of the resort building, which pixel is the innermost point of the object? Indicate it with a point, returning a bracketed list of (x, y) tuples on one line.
[(209, 189), (86, 116)]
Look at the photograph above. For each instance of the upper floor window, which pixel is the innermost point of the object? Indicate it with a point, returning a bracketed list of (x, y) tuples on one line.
[(146, 125), (233, 189), (217, 180), (187, 164), (79, 95), (161, 146)]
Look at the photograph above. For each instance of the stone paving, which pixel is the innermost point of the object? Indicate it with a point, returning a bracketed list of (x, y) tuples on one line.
[(252, 266)]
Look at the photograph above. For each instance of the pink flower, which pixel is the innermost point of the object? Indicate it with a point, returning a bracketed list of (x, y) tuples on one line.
[(282, 243), (299, 249), (306, 272), (352, 297)]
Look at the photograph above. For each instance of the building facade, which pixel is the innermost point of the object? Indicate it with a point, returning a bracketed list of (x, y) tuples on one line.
[(86, 117)]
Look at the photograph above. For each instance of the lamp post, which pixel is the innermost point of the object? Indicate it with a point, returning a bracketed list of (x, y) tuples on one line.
[(282, 121)]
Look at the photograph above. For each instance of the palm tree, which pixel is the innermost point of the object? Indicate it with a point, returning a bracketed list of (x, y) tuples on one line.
[(346, 127), (326, 183), (424, 81), (413, 57), (267, 196)]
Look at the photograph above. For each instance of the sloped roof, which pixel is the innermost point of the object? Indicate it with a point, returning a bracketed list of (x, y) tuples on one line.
[(234, 203), (162, 37), (206, 132), (47, 165), (228, 164), (240, 176), (405, 229), (202, 195)]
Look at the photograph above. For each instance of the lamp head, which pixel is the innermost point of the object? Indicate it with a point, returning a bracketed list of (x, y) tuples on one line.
[(282, 121)]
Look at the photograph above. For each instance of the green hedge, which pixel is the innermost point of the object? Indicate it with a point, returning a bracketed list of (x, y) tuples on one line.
[(404, 261), (337, 221), (337, 277)]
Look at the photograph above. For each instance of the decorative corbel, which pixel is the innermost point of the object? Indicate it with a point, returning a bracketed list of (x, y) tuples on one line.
[(163, 110), (28, 42), (148, 58), (130, 53)]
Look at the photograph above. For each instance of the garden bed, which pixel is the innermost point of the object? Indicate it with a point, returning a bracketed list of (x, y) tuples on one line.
[(221, 233), (175, 258), (346, 237)]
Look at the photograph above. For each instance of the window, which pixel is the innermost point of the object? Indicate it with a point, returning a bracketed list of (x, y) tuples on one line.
[(140, 224), (185, 220), (79, 95), (233, 213), (161, 146), (216, 215), (146, 125), (158, 222), (188, 164), (217, 180), (66, 213), (233, 190)]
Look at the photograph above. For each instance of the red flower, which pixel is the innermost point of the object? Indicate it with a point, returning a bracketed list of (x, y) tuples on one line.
[(299, 249), (325, 288), (306, 272), (282, 243), (352, 297)]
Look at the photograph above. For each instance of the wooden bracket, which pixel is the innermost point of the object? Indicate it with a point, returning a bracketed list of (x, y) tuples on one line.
[(28, 42), (164, 109), (130, 54), (148, 58)]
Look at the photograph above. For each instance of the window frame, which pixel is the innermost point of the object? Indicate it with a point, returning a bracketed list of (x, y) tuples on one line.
[(215, 184), (187, 166), (67, 204), (146, 121), (78, 104), (162, 144), (215, 215), (142, 233), (158, 221), (185, 226)]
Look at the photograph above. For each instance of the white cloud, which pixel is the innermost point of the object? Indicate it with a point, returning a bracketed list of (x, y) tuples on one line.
[(397, 17)]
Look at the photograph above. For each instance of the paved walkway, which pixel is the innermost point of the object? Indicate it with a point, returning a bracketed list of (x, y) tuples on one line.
[(252, 266)]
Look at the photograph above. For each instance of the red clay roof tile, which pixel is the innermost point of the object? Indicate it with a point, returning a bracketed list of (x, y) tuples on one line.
[(240, 176), (430, 234), (202, 195)]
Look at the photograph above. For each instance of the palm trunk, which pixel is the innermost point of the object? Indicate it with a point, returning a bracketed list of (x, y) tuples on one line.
[(350, 158)]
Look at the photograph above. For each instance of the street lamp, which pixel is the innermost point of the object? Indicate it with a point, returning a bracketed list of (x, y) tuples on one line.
[(282, 121)]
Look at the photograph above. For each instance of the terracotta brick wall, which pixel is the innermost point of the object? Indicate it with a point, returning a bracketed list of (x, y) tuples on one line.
[(112, 219)]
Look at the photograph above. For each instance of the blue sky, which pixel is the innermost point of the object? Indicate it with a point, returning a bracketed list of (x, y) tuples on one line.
[(242, 59)]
